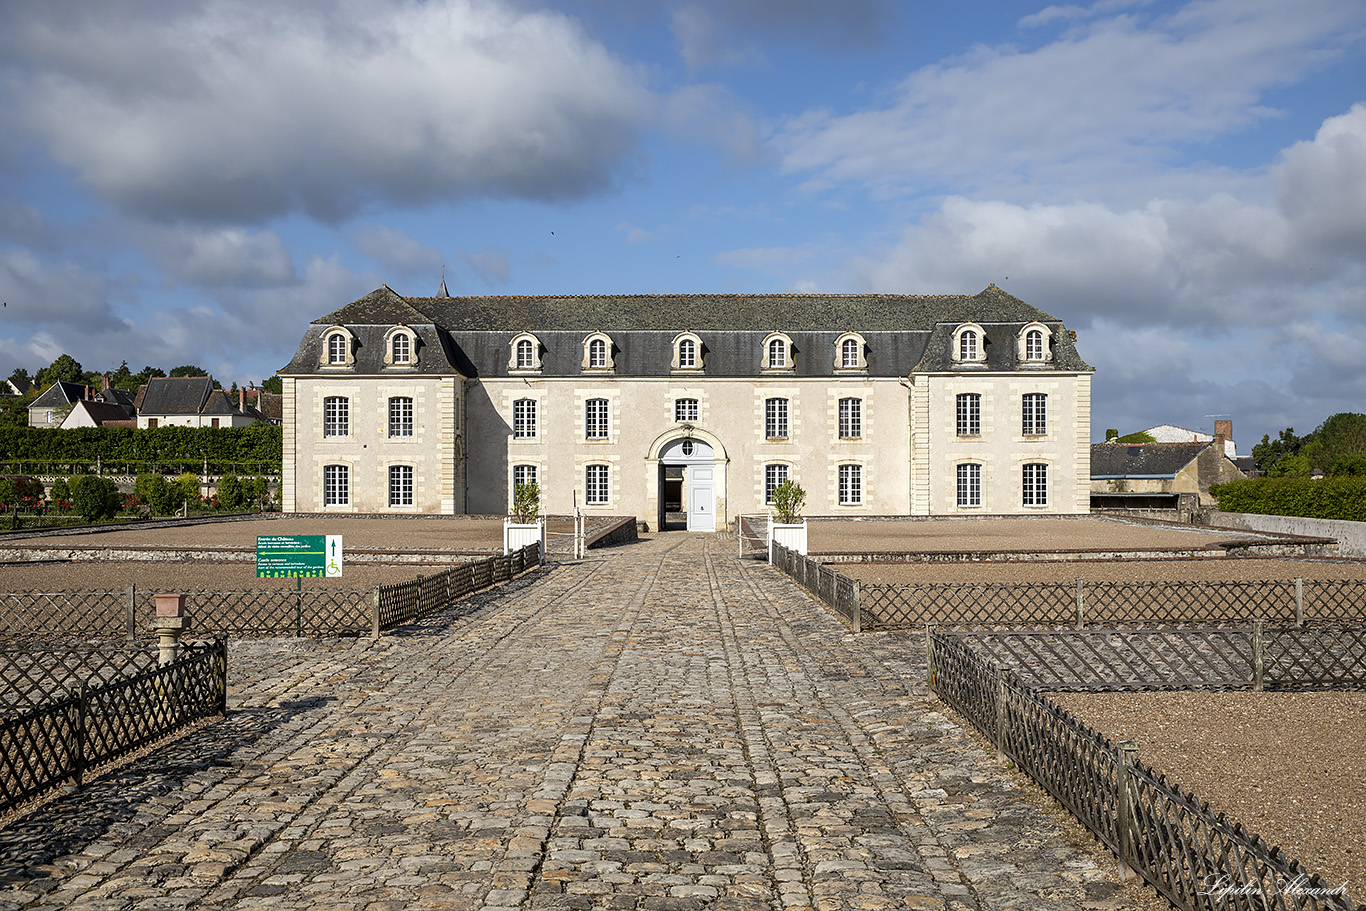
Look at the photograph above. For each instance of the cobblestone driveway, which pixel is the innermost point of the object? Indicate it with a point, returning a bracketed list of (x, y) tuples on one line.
[(662, 727)]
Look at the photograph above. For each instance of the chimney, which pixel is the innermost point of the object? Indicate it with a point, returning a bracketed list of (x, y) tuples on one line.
[(241, 398), (104, 383), (1223, 433)]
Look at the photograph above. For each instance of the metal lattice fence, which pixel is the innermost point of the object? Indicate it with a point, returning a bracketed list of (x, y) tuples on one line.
[(1172, 840), (840, 593), (58, 740), (751, 535), (131, 613), (29, 676)]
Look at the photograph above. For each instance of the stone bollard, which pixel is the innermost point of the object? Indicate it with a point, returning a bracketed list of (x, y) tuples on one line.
[(171, 624)]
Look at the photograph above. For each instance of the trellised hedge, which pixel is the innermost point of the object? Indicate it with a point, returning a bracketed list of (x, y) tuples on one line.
[(1329, 498), (170, 446)]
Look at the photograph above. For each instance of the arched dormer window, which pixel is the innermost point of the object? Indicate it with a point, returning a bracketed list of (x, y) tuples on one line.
[(526, 354), (1034, 345), (778, 353), (969, 345), (688, 354), (400, 347), (850, 352), (338, 348), (598, 352)]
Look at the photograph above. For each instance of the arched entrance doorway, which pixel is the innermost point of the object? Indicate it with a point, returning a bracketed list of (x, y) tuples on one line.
[(688, 485)]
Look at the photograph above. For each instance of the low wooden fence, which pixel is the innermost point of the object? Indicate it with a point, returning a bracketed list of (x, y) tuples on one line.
[(1168, 836), (1077, 604), (120, 706), (130, 613)]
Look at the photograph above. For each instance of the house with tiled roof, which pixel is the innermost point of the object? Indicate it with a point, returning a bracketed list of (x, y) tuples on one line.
[(1150, 476), (55, 403), (696, 406), (96, 413), (189, 401)]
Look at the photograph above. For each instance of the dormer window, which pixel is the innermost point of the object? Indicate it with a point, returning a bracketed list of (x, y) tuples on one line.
[(1034, 344), (849, 352), (688, 354), (338, 348), (400, 347), (969, 345), (597, 352), (778, 353), (526, 353)]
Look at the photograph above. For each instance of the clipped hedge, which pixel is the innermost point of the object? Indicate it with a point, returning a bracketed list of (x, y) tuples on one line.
[(184, 446), (1330, 498)]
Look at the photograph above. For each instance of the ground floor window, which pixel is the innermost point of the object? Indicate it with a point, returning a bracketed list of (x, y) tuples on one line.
[(523, 474), (400, 485), (336, 485), (1035, 484), (851, 485), (595, 485), (774, 476), (969, 485)]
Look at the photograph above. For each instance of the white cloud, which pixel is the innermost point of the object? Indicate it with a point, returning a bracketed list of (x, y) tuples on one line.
[(634, 233), (1107, 101), (242, 110), (219, 257), (394, 249), (491, 265), (38, 294)]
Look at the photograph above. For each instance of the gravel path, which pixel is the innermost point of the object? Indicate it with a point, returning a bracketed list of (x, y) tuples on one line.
[(1286, 765), (937, 536)]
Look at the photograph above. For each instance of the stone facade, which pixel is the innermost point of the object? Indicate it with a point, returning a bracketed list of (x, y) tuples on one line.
[(688, 407)]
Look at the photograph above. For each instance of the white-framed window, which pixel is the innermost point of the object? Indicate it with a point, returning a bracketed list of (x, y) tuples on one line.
[(336, 349), (524, 419), (687, 354), (967, 346), (851, 485), (1034, 484), (774, 476), (595, 419), (336, 416), (685, 409), (400, 416), (969, 484), (849, 354), (1034, 414), (851, 419), (1033, 345), (777, 354), (526, 354), (523, 474), (336, 485), (775, 419), (969, 414), (596, 489), (597, 354), (400, 485), (401, 350)]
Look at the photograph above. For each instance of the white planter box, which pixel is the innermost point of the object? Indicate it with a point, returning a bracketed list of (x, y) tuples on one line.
[(793, 537), (516, 536)]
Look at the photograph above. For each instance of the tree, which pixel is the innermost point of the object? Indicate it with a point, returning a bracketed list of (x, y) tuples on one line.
[(189, 486), (146, 373), (526, 503), (60, 491), (65, 369), (189, 370), (1111, 434), (1136, 438), (788, 500), (232, 493), (1295, 465), (94, 497), (273, 385), (1266, 453), (162, 497), (1349, 466), (1343, 434), (20, 374)]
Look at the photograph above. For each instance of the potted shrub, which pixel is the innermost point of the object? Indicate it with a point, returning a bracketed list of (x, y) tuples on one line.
[(524, 526), (788, 528)]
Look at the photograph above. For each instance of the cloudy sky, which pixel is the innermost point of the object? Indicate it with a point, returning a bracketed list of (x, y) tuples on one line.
[(1184, 184)]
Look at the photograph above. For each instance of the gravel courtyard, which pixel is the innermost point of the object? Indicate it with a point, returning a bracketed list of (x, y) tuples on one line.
[(1288, 766)]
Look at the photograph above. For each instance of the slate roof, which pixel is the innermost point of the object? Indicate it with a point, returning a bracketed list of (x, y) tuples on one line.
[(165, 395), (1146, 460), (471, 335), (58, 394), (107, 414)]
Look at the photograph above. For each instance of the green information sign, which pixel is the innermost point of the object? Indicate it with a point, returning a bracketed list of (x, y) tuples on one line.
[(298, 555)]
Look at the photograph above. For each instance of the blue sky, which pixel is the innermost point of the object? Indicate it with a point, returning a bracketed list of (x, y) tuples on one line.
[(1184, 184)]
